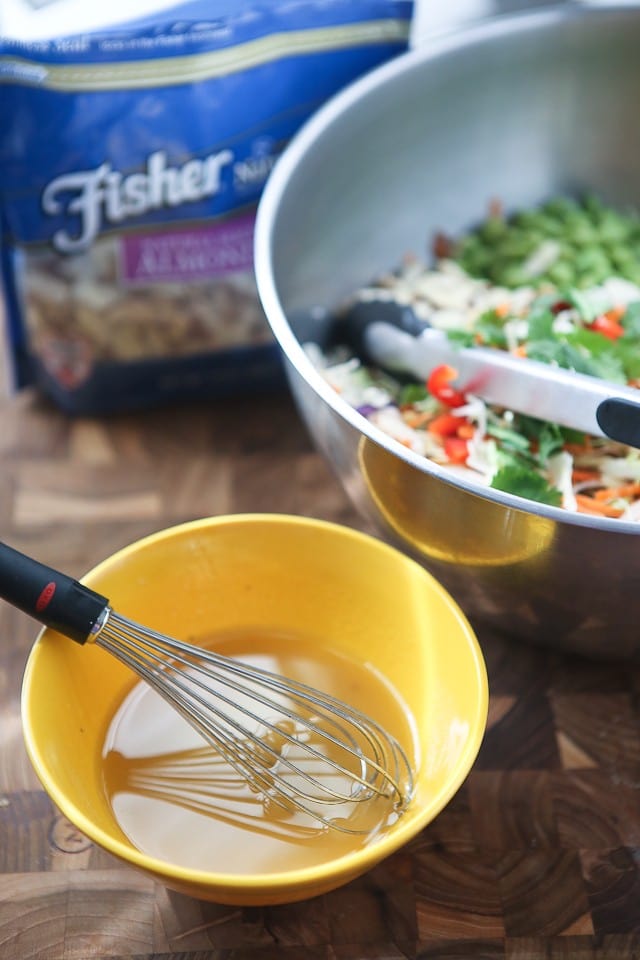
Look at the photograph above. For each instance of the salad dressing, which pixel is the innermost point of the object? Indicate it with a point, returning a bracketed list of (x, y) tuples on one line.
[(176, 799)]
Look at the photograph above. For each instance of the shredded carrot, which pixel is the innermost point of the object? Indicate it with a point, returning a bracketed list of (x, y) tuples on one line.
[(589, 505), (581, 474), (577, 448), (466, 430), (502, 310), (616, 313), (583, 507), (520, 351), (626, 490)]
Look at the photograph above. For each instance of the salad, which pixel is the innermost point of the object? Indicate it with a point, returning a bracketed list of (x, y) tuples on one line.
[(559, 284)]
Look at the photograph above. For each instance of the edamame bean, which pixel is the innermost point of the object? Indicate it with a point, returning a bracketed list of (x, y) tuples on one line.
[(595, 242)]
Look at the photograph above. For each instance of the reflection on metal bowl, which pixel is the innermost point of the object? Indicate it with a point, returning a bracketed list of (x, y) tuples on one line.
[(523, 107), (449, 525)]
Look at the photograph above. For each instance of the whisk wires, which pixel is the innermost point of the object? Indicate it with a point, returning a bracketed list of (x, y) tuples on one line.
[(303, 750)]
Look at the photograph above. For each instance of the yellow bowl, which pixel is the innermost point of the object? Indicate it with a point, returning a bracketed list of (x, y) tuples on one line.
[(274, 572)]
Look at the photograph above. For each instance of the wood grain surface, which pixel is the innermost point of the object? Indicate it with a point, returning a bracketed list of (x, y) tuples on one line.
[(537, 856)]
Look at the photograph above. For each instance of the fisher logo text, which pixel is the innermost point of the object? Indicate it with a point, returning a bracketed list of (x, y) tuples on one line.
[(104, 195)]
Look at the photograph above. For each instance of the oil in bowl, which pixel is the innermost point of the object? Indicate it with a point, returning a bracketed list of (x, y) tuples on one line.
[(178, 799)]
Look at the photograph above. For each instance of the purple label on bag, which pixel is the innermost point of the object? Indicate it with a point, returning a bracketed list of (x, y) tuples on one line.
[(180, 256)]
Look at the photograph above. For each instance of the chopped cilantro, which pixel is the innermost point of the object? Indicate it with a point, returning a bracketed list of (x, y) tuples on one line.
[(489, 328), (540, 323), (549, 438), (583, 351), (589, 341), (573, 436), (463, 338), (631, 320), (561, 353), (550, 441), (583, 304), (530, 427), (526, 483), (412, 393), (628, 352), (607, 359), (508, 437), (509, 457)]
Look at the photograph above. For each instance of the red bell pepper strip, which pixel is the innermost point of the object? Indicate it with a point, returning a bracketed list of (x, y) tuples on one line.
[(456, 449), (445, 425), (608, 325), (439, 386)]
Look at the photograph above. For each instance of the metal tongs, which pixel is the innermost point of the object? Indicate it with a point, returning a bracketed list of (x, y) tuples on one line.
[(394, 338)]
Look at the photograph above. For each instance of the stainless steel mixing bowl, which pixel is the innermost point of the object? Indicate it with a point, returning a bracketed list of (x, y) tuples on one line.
[(521, 108)]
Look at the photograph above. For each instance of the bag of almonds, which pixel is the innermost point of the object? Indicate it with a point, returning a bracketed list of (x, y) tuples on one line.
[(132, 160)]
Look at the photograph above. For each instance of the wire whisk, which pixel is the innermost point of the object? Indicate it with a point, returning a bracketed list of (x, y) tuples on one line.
[(298, 749)]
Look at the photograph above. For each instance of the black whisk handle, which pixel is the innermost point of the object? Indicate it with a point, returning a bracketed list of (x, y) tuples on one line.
[(53, 598)]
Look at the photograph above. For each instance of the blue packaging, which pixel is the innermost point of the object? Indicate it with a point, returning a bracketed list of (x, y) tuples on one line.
[(132, 161)]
